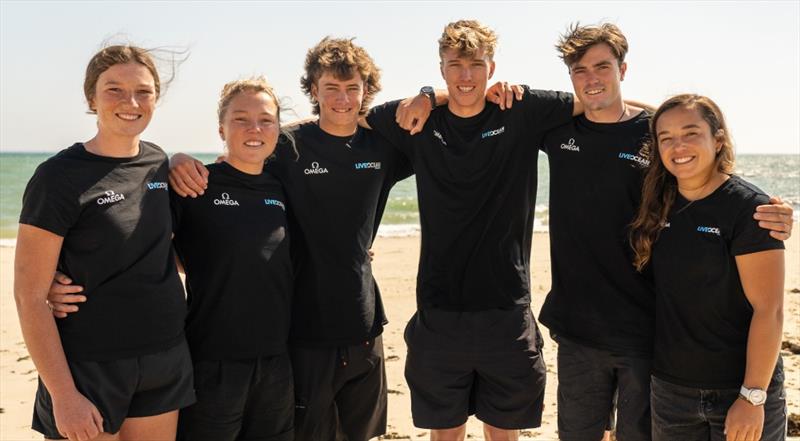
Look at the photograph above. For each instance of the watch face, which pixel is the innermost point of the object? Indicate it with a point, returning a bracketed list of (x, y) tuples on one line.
[(757, 396), (426, 90)]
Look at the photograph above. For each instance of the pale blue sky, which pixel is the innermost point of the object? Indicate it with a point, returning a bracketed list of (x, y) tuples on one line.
[(744, 55)]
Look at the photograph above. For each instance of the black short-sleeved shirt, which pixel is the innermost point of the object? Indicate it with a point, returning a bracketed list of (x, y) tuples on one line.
[(337, 190), (114, 216), (476, 185), (233, 242), (702, 314), (597, 298)]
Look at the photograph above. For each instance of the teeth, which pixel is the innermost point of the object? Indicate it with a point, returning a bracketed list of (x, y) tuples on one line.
[(466, 89), (254, 143), (594, 91), (682, 160), (341, 110), (128, 116)]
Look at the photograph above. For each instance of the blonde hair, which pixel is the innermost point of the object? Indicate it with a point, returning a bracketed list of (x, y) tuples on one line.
[(468, 37), (253, 85)]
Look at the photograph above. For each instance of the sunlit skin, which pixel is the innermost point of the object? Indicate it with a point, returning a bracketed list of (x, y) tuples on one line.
[(339, 102), (596, 80), (250, 129), (466, 79), (124, 100), (688, 150)]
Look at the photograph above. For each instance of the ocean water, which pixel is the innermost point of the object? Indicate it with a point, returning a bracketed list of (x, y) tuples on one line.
[(775, 174)]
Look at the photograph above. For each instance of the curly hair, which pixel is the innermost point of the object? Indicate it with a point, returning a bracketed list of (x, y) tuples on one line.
[(342, 58), (468, 37)]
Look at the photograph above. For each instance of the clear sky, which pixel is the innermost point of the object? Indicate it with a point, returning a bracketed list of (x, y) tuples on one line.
[(744, 55)]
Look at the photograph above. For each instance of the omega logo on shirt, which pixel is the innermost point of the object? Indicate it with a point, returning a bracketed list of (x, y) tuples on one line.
[(315, 169), (570, 145), (110, 197), (226, 200)]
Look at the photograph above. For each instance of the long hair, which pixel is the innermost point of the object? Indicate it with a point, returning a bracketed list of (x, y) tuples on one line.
[(660, 187)]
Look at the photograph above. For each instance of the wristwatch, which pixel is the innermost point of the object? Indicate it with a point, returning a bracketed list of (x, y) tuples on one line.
[(428, 91), (754, 396)]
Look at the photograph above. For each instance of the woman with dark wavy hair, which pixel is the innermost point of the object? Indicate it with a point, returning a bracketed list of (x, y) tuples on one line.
[(719, 284)]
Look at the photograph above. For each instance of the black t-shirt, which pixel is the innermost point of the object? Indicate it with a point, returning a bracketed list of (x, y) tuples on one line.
[(476, 185), (597, 298), (702, 314), (114, 216), (233, 242), (337, 191)]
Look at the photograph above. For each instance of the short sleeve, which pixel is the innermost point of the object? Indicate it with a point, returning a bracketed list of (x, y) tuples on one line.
[(748, 237), (547, 109), (382, 119), (175, 209), (49, 202)]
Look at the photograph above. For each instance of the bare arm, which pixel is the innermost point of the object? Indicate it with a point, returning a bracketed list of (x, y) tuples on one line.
[(762, 276), (34, 267), (413, 112)]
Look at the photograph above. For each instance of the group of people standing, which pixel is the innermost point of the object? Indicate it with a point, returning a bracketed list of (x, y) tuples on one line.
[(668, 299)]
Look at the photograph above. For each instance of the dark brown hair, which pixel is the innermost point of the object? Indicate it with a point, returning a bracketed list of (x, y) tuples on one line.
[(342, 58), (660, 187), (574, 43)]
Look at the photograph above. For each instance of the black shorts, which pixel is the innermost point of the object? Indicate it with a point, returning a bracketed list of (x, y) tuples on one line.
[(241, 399), (589, 382), (134, 387), (486, 363), (340, 393)]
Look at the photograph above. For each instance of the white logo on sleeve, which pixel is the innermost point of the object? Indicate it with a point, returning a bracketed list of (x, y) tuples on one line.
[(225, 199), (315, 169), (570, 145), (276, 203), (439, 136), (368, 165), (638, 159), (157, 185), (110, 198)]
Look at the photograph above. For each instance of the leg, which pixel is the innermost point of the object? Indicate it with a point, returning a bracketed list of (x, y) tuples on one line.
[(362, 397), (497, 434), (221, 388), (269, 412), (586, 385), (315, 410), (633, 398), (453, 434), (676, 412), (156, 428)]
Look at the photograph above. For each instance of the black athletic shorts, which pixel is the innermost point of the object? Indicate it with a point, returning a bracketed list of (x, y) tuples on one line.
[(142, 386), (241, 400), (589, 381), (486, 363), (340, 392)]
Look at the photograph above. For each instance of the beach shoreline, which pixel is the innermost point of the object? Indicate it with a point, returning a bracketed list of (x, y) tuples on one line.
[(395, 268)]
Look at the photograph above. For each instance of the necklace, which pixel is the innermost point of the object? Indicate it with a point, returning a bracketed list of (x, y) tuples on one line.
[(624, 109)]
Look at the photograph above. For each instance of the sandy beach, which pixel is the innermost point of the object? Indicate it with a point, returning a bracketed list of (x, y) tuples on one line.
[(395, 268)]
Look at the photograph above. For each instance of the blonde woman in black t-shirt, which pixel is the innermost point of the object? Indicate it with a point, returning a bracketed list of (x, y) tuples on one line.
[(719, 284), (99, 211)]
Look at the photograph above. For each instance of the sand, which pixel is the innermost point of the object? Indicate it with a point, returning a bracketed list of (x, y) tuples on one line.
[(395, 268)]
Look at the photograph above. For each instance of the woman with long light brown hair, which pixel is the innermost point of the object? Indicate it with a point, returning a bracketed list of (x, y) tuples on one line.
[(719, 284)]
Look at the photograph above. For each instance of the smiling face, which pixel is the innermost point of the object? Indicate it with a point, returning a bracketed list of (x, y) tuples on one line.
[(466, 78), (339, 102), (596, 79), (250, 130), (124, 100), (687, 147)]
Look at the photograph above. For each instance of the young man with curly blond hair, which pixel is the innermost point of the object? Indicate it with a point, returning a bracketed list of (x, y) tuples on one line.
[(473, 344)]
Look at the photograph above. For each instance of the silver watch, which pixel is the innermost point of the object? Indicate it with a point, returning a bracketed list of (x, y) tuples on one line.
[(754, 396)]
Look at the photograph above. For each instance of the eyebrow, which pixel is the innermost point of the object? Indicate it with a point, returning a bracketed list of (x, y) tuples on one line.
[(688, 126)]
